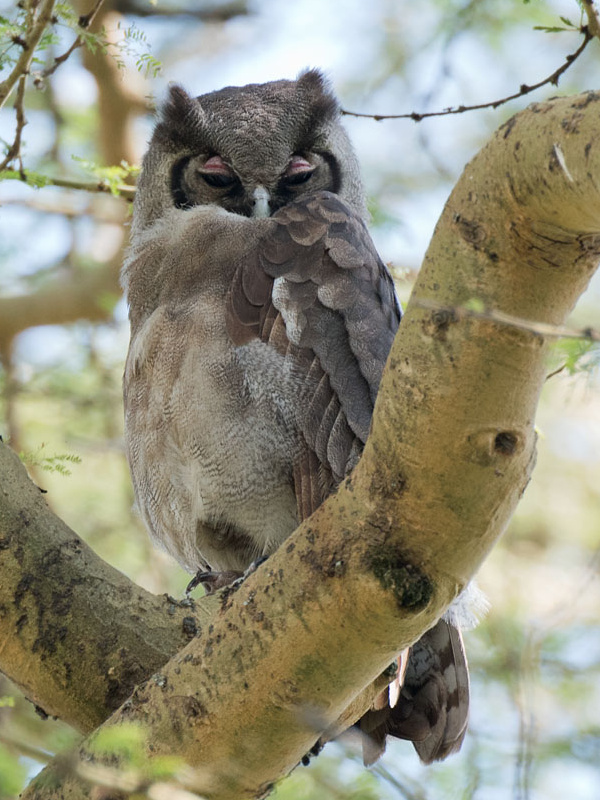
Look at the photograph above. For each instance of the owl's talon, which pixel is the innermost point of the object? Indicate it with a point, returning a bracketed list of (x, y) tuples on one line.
[(254, 566), (212, 581)]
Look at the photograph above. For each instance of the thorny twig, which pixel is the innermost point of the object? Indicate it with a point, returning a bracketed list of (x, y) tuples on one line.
[(524, 89), (22, 67), (559, 615)]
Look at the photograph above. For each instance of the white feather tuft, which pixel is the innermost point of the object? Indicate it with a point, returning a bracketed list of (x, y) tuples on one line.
[(469, 608)]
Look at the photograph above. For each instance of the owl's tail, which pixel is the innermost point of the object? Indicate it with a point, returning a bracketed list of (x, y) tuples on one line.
[(432, 707)]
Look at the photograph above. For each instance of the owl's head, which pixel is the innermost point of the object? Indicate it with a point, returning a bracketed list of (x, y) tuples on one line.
[(249, 149)]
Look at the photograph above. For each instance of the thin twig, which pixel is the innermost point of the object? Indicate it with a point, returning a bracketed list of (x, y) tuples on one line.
[(524, 89), (68, 206), (560, 615), (124, 191), (539, 328), (28, 47), (41, 756), (84, 22), (14, 150)]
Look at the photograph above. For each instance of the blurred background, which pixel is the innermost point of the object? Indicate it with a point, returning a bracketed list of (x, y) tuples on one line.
[(535, 660)]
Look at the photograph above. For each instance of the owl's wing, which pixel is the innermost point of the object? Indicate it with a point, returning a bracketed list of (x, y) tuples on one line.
[(316, 290)]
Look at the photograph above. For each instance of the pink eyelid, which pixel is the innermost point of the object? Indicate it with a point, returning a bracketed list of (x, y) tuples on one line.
[(216, 164), (298, 165)]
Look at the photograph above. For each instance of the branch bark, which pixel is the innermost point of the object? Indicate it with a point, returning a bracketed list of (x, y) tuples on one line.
[(451, 450), (77, 635)]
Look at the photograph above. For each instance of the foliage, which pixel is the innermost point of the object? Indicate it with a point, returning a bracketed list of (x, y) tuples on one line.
[(113, 176), (56, 463)]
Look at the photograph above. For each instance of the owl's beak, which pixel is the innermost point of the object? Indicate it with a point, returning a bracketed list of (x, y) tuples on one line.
[(261, 198)]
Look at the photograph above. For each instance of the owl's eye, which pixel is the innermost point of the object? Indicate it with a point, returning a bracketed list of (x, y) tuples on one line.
[(296, 180), (215, 172), (217, 179), (299, 171)]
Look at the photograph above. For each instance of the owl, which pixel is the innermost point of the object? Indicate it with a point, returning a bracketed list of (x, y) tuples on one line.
[(261, 319)]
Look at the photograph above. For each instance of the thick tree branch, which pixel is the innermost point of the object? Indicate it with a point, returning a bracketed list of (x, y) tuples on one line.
[(451, 450), (76, 635), (53, 589), (218, 13), (61, 302)]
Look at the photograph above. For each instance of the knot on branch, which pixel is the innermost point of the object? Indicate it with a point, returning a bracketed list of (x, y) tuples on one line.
[(506, 443)]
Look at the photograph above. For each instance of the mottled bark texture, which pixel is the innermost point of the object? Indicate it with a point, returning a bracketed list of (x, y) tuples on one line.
[(451, 450), (75, 634)]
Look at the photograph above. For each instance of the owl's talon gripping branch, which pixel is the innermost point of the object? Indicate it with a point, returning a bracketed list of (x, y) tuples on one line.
[(212, 581)]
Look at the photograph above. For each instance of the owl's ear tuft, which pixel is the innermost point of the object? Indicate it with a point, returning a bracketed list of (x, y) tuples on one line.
[(181, 118), (313, 84), (178, 107)]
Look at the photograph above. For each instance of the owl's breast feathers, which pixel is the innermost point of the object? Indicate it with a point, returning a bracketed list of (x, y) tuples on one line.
[(315, 290)]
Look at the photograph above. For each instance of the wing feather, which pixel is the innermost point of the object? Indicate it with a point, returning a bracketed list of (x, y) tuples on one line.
[(316, 290)]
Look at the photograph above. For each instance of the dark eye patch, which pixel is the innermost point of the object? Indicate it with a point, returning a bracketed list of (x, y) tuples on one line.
[(180, 198)]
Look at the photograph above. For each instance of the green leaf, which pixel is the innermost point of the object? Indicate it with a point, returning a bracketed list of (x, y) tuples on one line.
[(35, 179), (7, 701), (113, 176), (54, 463)]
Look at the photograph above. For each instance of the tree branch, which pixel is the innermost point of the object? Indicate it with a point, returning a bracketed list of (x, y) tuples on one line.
[(218, 13), (541, 328), (14, 150), (28, 46), (85, 20), (524, 90), (77, 635), (61, 301), (102, 187), (592, 15), (450, 452)]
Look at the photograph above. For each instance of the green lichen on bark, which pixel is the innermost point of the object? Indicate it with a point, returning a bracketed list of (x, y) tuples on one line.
[(410, 587)]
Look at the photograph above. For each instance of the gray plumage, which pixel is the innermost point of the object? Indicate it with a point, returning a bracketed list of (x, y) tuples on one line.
[(261, 319)]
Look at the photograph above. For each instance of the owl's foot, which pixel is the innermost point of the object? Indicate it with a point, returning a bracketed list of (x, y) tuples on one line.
[(212, 581)]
